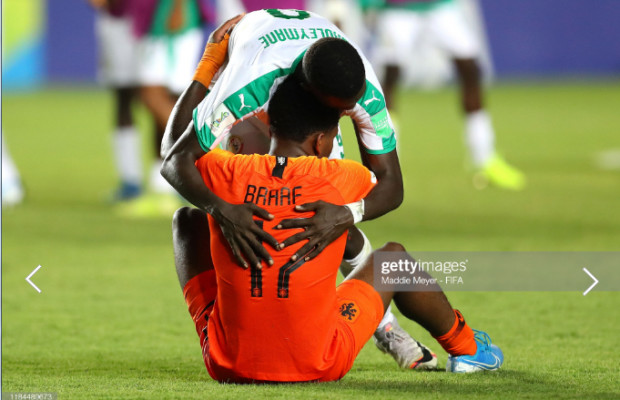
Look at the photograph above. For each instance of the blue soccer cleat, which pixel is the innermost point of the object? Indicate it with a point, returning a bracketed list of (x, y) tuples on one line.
[(125, 192), (488, 357)]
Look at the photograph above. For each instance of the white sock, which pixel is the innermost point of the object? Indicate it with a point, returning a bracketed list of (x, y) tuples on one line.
[(12, 191), (126, 144), (9, 170), (480, 137), (157, 182), (388, 318)]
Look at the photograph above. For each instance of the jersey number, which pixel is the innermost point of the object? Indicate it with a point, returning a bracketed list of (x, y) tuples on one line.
[(284, 274), (279, 14)]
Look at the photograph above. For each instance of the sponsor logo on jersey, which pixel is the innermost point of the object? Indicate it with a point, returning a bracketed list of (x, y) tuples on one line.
[(374, 98), (221, 119), (381, 124), (243, 105)]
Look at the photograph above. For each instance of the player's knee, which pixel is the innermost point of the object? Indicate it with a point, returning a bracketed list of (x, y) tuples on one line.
[(185, 220), (392, 246), (468, 69)]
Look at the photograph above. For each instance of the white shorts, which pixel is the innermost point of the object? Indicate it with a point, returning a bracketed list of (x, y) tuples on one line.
[(346, 14), (170, 61), (118, 61), (400, 30)]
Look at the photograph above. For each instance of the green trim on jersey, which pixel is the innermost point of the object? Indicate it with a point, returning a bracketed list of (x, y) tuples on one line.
[(389, 144), (256, 93), (205, 137), (245, 100), (373, 103)]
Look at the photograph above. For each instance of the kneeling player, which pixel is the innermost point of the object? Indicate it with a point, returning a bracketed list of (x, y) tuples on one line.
[(288, 322)]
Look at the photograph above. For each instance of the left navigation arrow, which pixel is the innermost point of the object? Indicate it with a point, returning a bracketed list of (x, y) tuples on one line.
[(30, 276)]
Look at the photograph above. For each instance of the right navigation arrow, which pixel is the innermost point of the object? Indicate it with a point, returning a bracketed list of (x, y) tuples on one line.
[(593, 278)]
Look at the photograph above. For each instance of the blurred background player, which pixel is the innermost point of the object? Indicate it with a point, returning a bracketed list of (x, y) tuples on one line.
[(118, 71), (12, 189), (170, 41), (346, 15), (400, 25)]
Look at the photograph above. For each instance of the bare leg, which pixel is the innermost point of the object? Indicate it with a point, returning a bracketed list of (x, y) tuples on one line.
[(468, 74), (126, 145), (431, 310), (191, 240), (124, 98), (392, 76), (159, 103)]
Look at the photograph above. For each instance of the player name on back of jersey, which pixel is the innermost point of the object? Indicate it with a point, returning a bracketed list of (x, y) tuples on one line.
[(284, 34), (264, 196)]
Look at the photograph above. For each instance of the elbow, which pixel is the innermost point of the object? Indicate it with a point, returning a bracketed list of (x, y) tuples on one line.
[(165, 147), (396, 191), (398, 197), (167, 168)]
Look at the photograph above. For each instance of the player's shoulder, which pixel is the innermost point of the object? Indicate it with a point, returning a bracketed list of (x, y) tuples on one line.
[(237, 163), (327, 168)]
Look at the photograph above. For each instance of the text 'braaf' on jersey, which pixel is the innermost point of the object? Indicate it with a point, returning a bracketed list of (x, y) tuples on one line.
[(263, 196)]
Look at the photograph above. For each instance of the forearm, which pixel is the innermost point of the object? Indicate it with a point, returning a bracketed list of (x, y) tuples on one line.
[(212, 59), (386, 196), (179, 170), (388, 193), (182, 115)]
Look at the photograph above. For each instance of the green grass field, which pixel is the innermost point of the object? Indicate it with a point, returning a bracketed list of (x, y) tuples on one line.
[(111, 323)]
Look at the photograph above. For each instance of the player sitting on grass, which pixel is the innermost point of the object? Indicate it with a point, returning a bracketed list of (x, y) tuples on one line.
[(288, 322), (336, 72)]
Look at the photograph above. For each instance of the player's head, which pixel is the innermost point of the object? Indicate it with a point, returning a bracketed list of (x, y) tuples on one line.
[(297, 116), (334, 72)]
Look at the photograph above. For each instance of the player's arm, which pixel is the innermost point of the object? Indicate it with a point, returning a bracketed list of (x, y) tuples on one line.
[(330, 221), (388, 194), (212, 59), (236, 221)]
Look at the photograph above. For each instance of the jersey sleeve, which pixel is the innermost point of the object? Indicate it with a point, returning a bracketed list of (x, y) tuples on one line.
[(214, 168), (375, 128), (245, 84), (352, 179)]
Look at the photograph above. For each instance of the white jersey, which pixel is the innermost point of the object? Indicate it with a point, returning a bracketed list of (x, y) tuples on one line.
[(264, 48)]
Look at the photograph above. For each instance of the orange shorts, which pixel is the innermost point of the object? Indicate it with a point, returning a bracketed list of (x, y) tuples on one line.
[(359, 307)]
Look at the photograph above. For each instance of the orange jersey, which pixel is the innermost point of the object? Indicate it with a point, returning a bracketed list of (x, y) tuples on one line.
[(278, 323)]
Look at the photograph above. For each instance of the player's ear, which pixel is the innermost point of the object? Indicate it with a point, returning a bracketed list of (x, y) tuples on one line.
[(319, 143)]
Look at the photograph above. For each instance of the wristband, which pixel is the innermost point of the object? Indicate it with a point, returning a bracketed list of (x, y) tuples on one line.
[(357, 209), (211, 61)]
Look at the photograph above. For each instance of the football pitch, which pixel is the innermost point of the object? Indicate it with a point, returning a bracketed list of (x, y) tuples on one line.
[(111, 323)]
